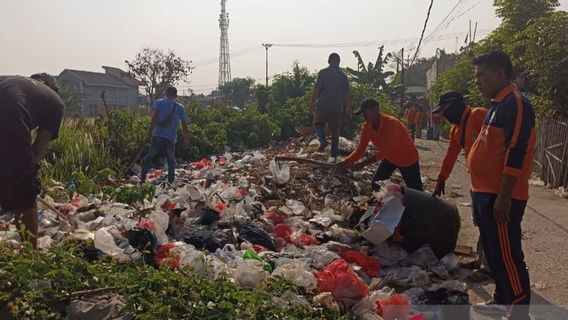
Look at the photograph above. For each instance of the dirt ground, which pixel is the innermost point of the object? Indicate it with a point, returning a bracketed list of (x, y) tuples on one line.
[(545, 231)]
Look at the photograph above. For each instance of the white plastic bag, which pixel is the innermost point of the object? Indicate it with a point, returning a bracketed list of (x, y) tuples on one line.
[(297, 273), (249, 273), (280, 171)]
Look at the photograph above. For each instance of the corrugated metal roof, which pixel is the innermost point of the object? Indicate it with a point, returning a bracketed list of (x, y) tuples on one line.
[(98, 79)]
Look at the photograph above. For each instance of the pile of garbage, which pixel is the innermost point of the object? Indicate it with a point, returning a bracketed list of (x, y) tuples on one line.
[(252, 218)]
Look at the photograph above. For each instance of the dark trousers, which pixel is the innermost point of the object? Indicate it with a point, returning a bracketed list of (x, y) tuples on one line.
[(411, 175), (164, 147), (504, 253), (333, 121)]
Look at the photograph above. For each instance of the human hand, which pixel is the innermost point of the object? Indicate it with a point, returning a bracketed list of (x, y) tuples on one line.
[(440, 188), (502, 209)]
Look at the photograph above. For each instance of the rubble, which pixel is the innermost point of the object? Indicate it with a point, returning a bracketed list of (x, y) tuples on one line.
[(253, 218)]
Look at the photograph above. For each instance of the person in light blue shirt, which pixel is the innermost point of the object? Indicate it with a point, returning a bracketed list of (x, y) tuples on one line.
[(163, 132)]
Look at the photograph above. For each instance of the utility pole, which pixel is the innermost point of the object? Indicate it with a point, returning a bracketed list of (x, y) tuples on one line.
[(403, 89), (267, 46), (474, 32), (469, 33)]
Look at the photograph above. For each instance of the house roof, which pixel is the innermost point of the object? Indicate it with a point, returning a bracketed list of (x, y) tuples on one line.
[(122, 75), (98, 79)]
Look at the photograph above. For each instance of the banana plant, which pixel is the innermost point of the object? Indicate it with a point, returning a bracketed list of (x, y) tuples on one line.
[(372, 74)]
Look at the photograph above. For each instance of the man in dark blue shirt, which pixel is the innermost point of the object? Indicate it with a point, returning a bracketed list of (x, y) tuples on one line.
[(163, 132)]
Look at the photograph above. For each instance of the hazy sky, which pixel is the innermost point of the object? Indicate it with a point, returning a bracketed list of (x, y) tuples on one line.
[(51, 35)]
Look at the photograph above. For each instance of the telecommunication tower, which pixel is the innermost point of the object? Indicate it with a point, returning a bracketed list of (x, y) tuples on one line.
[(224, 55)]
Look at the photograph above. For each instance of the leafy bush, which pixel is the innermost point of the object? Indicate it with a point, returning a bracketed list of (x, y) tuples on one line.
[(39, 285)]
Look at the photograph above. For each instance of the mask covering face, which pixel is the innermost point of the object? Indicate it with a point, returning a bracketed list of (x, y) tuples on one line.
[(454, 113)]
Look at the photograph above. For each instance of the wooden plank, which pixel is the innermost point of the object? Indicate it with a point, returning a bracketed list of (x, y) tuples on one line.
[(554, 156), (551, 171), (558, 145)]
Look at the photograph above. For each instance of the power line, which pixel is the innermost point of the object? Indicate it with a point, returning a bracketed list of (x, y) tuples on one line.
[(423, 30)]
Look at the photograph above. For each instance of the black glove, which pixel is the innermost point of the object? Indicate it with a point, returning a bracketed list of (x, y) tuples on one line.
[(440, 188)]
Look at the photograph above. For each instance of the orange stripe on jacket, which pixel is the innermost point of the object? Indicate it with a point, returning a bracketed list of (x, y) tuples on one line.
[(508, 260), (392, 141)]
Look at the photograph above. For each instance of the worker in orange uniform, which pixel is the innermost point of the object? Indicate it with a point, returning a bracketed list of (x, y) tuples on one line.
[(396, 150), (466, 124), (436, 125), (418, 122), (500, 165), (410, 116)]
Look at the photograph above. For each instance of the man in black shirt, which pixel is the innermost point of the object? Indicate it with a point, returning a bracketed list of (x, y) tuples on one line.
[(26, 104)]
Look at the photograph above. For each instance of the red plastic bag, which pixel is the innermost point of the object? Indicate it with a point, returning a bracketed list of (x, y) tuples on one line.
[(169, 205), (147, 224), (283, 231), (203, 163), (164, 256), (341, 281), (220, 207), (305, 240), (258, 248), (275, 217), (370, 265), (394, 307)]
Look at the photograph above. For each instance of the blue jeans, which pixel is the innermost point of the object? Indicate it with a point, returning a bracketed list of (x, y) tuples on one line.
[(160, 146), (504, 253)]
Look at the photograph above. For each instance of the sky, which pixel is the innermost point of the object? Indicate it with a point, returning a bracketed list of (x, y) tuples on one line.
[(52, 35)]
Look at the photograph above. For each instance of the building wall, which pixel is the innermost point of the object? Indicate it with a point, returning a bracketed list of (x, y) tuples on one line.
[(92, 105)]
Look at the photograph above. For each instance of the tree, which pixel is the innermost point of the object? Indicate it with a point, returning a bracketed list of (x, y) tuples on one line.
[(372, 74), (261, 94), (238, 91), (157, 69), (292, 85), (72, 100), (516, 14), (542, 51)]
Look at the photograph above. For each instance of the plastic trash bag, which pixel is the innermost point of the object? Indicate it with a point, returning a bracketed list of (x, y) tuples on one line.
[(370, 265), (144, 241), (395, 307), (257, 236), (341, 281), (390, 254), (249, 274), (303, 240), (274, 217), (423, 257), (280, 171), (298, 273), (110, 241), (250, 255), (320, 256)]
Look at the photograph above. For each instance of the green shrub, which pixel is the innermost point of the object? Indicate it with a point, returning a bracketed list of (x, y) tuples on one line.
[(37, 285)]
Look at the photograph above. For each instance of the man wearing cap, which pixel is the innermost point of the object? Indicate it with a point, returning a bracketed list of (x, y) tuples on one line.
[(26, 104), (331, 98), (396, 150), (163, 132), (466, 125)]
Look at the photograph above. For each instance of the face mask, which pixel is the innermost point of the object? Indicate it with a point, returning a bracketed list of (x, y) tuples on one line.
[(454, 114)]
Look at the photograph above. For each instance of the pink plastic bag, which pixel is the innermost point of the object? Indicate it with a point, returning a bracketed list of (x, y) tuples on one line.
[(305, 240), (370, 265), (341, 281), (394, 307)]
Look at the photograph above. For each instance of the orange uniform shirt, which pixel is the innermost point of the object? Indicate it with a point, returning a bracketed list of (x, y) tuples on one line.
[(472, 121), (419, 117), (505, 145), (392, 141), (410, 116)]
